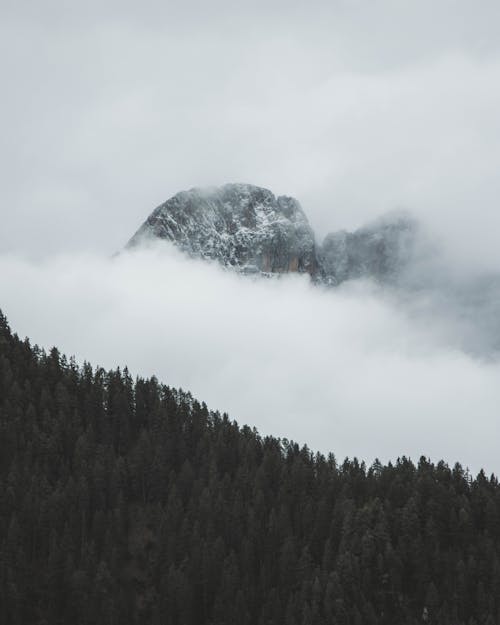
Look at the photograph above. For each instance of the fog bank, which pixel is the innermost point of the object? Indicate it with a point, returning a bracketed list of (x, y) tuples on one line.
[(345, 370)]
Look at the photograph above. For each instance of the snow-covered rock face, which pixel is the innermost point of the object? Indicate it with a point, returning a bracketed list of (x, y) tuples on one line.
[(239, 225), (247, 228)]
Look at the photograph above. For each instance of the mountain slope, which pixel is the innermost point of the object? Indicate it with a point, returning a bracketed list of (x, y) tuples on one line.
[(130, 502)]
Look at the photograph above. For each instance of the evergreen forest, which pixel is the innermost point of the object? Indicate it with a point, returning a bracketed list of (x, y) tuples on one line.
[(126, 502)]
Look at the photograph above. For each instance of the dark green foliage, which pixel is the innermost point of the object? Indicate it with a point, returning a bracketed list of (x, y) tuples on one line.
[(130, 503)]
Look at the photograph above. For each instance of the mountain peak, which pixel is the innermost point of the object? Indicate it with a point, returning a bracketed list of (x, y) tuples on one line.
[(239, 225), (249, 229)]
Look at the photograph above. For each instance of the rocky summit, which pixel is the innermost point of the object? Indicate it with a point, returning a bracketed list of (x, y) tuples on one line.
[(249, 229), (239, 225)]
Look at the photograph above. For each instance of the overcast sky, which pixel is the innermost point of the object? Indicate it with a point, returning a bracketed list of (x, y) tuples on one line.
[(353, 107)]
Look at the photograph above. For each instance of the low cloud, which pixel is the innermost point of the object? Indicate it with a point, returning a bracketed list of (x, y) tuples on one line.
[(346, 370)]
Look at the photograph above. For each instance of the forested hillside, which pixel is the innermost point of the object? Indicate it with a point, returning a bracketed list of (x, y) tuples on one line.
[(128, 502)]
